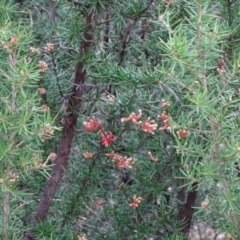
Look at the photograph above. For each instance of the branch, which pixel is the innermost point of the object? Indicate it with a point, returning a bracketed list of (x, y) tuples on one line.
[(5, 215), (126, 38), (106, 27), (186, 211), (68, 130), (52, 11), (144, 31), (130, 24)]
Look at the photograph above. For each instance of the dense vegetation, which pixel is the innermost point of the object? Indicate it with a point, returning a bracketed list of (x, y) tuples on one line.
[(119, 119)]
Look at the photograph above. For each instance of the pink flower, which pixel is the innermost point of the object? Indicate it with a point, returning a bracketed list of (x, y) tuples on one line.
[(43, 66), (135, 201), (182, 134), (185, 166), (229, 236), (107, 138), (220, 65), (165, 103), (133, 117), (122, 162), (149, 126), (204, 204), (91, 125), (164, 118), (125, 162)]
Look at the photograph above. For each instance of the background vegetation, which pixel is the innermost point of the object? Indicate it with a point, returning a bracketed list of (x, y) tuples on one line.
[(119, 119)]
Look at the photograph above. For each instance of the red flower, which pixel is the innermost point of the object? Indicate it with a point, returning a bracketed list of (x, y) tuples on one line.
[(183, 133), (107, 138), (164, 118), (220, 67), (91, 125), (133, 117), (149, 126), (165, 126), (135, 201)]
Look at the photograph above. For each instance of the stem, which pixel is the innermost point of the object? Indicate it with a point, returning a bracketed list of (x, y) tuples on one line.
[(106, 28), (125, 39), (56, 74), (52, 11), (229, 10), (5, 215), (186, 211), (217, 157), (126, 36), (199, 35)]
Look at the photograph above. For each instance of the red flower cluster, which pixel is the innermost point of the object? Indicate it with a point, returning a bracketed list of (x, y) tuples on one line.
[(93, 125), (164, 118), (148, 125), (107, 138), (123, 162), (133, 117), (183, 133), (135, 201)]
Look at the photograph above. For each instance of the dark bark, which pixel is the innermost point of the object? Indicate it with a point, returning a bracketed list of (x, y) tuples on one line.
[(67, 131), (186, 211)]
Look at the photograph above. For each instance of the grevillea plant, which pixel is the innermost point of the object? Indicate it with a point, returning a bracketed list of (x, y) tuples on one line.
[(25, 123), (146, 95)]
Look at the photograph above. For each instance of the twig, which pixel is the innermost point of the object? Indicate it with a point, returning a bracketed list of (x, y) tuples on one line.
[(56, 74), (201, 76), (125, 39), (5, 215), (170, 90), (106, 27), (144, 31), (130, 24), (225, 85), (52, 11)]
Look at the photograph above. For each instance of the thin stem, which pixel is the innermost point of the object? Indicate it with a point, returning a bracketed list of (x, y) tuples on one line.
[(125, 39), (52, 11), (217, 157), (5, 215), (199, 36), (106, 28), (56, 74)]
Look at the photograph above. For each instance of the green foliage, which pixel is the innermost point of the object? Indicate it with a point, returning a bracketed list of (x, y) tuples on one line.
[(23, 124), (176, 62)]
